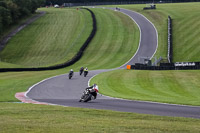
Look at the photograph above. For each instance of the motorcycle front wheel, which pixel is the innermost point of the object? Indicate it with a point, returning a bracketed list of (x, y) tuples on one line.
[(87, 98)]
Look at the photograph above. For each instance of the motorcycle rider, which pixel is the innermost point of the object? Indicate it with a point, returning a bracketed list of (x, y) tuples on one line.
[(85, 71), (93, 90), (71, 72), (81, 70)]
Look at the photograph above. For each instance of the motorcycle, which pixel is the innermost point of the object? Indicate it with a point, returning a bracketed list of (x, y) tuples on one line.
[(86, 96), (70, 75), (81, 71), (85, 73)]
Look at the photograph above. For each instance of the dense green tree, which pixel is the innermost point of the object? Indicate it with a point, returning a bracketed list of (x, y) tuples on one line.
[(1, 25), (3, 3), (14, 10), (35, 4), (24, 6), (5, 16)]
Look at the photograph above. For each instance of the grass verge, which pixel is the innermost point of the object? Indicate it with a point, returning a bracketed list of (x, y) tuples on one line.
[(40, 118), (178, 87), (13, 82)]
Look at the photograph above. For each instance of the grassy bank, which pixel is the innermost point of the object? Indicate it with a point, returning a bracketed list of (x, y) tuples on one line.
[(40, 118), (186, 21), (44, 43), (15, 26), (178, 87), (115, 42), (53, 38)]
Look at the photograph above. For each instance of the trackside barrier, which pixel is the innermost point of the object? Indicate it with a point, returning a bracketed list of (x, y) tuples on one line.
[(68, 63), (170, 47), (128, 66), (71, 3), (169, 66)]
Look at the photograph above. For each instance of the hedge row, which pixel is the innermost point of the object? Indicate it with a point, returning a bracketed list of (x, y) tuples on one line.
[(68, 63), (60, 2)]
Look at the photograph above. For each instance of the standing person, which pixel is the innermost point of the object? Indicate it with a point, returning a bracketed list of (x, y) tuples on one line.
[(85, 72), (71, 73), (81, 70)]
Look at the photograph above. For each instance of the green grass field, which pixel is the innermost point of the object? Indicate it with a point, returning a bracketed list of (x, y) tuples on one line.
[(116, 35), (117, 39), (54, 38), (186, 21), (14, 26), (115, 42), (30, 118), (177, 87)]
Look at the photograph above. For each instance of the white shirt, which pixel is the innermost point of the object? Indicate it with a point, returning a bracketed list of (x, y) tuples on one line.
[(96, 88)]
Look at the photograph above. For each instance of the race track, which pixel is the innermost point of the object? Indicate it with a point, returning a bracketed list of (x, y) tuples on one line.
[(62, 91)]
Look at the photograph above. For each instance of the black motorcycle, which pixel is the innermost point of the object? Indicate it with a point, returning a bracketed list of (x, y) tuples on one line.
[(85, 73), (86, 96), (81, 71), (70, 75)]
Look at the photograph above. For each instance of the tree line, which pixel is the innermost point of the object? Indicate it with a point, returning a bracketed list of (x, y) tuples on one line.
[(60, 2), (11, 11)]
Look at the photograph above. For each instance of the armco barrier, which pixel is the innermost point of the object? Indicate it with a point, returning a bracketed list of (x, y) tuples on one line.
[(68, 63), (168, 66), (170, 48)]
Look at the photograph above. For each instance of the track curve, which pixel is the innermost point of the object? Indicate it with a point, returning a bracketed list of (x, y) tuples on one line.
[(61, 91)]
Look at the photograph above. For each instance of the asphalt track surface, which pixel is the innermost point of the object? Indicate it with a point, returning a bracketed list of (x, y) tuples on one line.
[(60, 90)]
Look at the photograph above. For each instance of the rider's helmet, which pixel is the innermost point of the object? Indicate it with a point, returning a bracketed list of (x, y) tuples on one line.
[(71, 70), (94, 85)]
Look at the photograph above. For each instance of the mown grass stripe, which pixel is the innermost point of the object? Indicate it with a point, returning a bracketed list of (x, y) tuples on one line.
[(178, 87), (102, 44), (106, 48), (163, 85), (44, 47)]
